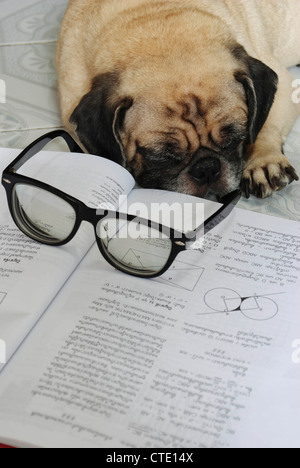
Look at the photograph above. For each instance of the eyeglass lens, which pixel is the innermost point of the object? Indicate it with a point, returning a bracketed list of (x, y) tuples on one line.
[(134, 247), (42, 215)]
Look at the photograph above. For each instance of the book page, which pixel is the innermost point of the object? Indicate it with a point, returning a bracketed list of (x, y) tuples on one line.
[(91, 179), (204, 356), (31, 274)]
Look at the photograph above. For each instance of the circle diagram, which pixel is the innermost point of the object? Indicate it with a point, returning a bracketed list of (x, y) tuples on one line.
[(259, 308), (224, 300)]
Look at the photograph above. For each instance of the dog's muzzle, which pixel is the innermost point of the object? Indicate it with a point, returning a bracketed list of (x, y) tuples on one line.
[(206, 170)]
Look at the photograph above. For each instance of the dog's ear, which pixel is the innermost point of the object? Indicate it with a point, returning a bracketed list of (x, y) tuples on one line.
[(99, 117), (260, 85)]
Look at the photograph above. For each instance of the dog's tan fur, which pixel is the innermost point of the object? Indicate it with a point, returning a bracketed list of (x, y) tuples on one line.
[(174, 64)]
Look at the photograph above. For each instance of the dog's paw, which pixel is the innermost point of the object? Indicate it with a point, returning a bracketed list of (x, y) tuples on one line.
[(266, 175)]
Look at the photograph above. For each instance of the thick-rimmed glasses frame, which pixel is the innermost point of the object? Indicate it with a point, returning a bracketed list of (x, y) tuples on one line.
[(180, 241)]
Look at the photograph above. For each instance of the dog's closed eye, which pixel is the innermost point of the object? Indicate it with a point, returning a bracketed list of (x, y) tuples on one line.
[(228, 137), (165, 156)]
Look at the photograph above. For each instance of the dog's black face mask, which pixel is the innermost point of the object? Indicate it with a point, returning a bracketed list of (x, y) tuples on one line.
[(189, 138)]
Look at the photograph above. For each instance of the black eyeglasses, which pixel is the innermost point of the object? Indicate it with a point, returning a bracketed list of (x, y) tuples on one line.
[(133, 245)]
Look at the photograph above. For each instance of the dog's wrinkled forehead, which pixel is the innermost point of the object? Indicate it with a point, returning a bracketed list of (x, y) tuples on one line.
[(186, 121)]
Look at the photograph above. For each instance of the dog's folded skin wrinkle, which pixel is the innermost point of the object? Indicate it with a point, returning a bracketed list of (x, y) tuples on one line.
[(159, 86)]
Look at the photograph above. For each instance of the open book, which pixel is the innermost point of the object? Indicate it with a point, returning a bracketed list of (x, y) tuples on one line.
[(205, 356)]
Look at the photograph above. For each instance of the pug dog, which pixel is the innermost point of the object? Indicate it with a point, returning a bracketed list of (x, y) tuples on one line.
[(191, 96)]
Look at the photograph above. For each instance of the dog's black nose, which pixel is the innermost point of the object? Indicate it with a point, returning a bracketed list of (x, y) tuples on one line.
[(207, 170)]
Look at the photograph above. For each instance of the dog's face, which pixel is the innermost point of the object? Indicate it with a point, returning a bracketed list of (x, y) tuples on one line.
[(182, 129)]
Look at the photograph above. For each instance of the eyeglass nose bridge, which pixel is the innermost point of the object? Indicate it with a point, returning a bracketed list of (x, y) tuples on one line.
[(91, 215)]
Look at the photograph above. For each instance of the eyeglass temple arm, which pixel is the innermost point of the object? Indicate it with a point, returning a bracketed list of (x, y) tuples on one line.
[(39, 144), (230, 201)]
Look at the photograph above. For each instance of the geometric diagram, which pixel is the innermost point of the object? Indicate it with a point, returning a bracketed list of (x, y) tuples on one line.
[(227, 301), (143, 259), (182, 275), (2, 296)]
